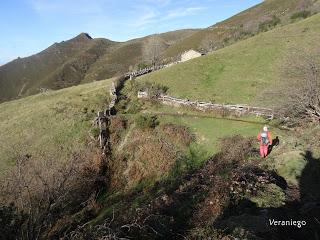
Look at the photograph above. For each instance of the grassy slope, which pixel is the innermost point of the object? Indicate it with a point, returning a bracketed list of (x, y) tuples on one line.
[(209, 128), (52, 123), (247, 67), (246, 21), (78, 60)]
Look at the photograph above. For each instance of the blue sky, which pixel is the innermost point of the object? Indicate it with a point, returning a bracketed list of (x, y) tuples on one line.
[(29, 26)]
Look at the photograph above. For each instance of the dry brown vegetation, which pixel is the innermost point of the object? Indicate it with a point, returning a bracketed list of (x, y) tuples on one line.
[(300, 89), (187, 209), (178, 134), (146, 155), (117, 127), (44, 190)]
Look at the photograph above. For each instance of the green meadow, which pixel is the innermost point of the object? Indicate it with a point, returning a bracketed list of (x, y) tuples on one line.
[(241, 72), (55, 123)]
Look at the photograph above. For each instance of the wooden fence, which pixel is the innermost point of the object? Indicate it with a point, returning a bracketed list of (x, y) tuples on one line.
[(104, 117), (208, 106), (147, 70)]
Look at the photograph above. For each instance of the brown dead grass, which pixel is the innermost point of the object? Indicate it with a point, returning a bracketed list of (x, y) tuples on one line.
[(117, 126), (178, 134), (147, 154), (150, 156)]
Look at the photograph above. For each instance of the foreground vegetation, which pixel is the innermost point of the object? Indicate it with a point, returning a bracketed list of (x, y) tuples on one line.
[(170, 173)]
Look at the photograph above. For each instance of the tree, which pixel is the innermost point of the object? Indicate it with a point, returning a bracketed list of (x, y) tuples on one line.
[(208, 44), (153, 50), (301, 89)]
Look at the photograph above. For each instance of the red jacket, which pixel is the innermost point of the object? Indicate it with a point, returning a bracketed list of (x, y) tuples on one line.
[(269, 138)]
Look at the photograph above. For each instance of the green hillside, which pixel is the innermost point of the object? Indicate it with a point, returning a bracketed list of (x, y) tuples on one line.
[(55, 123), (165, 172), (260, 18), (239, 73), (83, 59), (78, 60), (131, 54)]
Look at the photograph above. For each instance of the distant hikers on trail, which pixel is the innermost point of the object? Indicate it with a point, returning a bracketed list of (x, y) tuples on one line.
[(265, 140)]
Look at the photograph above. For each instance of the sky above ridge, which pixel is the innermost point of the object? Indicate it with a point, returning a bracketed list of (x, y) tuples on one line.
[(29, 26)]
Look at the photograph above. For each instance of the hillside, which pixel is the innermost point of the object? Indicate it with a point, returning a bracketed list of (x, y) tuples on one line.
[(257, 19), (83, 59), (248, 67), (163, 171), (55, 67), (52, 124), (78, 60), (133, 54)]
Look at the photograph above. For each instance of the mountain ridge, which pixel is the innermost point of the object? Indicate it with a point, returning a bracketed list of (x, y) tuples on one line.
[(85, 59)]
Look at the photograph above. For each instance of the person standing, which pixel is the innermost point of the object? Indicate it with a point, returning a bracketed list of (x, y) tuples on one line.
[(265, 140)]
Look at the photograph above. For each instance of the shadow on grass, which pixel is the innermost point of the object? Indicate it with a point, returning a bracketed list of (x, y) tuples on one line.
[(199, 196), (302, 204)]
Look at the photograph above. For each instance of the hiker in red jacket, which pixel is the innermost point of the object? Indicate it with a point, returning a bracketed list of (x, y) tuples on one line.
[(265, 140)]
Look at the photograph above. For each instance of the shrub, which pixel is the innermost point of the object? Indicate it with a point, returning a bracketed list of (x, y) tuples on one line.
[(146, 121), (178, 134), (134, 107), (42, 189), (236, 148), (117, 127), (269, 24), (142, 65), (301, 15), (153, 89)]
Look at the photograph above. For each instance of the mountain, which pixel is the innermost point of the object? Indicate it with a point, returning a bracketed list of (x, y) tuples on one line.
[(259, 18), (168, 172), (83, 59), (160, 163), (78, 60)]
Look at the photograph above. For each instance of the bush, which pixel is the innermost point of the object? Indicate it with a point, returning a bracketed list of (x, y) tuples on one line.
[(146, 121), (237, 148), (117, 126), (178, 134), (153, 89), (142, 65), (269, 24), (301, 15), (134, 107)]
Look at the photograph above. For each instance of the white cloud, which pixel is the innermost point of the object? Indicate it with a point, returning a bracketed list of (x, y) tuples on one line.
[(147, 16), (152, 16), (182, 12)]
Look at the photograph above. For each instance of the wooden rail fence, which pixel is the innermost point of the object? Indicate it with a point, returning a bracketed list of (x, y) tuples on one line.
[(104, 117), (207, 106)]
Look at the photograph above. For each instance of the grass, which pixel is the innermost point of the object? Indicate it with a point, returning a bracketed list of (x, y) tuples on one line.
[(290, 166), (56, 123), (209, 128), (245, 23), (248, 67)]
